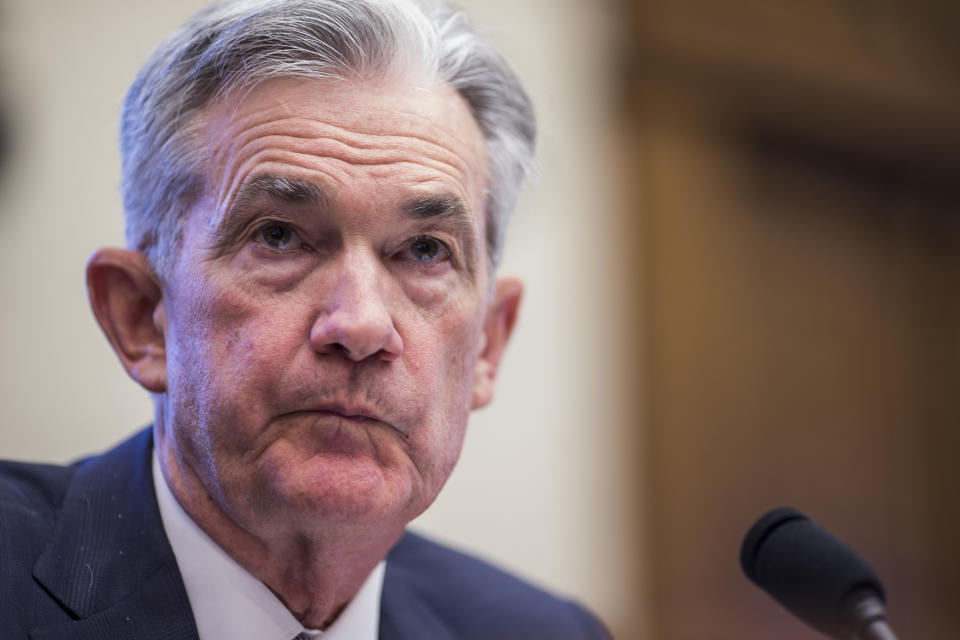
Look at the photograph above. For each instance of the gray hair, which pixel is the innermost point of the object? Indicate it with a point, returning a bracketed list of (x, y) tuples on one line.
[(238, 44)]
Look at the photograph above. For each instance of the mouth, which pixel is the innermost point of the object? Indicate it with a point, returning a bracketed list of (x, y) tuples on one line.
[(352, 417), (355, 413), (358, 414)]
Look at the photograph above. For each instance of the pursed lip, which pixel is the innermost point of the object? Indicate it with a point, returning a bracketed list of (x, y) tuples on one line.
[(358, 413), (351, 412)]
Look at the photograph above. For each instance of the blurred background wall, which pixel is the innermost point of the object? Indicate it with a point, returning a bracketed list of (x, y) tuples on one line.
[(742, 264)]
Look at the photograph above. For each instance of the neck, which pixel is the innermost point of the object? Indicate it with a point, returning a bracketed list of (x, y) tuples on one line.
[(313, 568)]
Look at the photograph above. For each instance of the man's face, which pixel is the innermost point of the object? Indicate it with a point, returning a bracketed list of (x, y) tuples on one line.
[(325, 316)]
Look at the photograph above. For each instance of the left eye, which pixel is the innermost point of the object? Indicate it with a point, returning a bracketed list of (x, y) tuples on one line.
[(425, 249)]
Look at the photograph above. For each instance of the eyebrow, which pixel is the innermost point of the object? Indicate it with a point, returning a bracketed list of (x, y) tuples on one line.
[(292, 190), (427, 207)]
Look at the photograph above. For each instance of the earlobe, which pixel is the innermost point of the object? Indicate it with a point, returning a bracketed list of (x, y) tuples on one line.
[(127, 300), (501, 318)]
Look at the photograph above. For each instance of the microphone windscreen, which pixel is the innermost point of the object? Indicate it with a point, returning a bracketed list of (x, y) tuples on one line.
[(806, 569)]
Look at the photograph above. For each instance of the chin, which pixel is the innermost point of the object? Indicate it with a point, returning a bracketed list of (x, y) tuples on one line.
[(338, 489)]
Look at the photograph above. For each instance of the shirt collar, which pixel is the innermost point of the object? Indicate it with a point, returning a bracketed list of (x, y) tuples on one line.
[(229, 602)]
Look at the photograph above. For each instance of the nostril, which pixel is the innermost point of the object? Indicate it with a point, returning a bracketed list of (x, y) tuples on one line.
[(356, 332), (358, 353), (388, 355)]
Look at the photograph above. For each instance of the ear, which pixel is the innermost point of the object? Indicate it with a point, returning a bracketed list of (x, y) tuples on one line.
[(127, 300), (501, 318)]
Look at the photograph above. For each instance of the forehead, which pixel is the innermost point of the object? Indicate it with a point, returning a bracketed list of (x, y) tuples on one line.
[(385, 136)]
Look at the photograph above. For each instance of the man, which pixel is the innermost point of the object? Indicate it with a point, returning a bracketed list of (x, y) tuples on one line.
[(315, 196)]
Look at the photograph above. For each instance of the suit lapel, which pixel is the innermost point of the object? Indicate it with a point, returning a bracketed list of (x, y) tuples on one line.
[(109, 562), (152, 612)]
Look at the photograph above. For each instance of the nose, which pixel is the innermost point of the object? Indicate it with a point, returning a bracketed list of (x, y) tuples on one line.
[(355, 319)]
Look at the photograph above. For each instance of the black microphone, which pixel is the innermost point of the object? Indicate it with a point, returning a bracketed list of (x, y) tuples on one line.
[(815, 576)]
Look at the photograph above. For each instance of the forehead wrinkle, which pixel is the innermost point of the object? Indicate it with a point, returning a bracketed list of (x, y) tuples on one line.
[(315, 137), (394, 122)]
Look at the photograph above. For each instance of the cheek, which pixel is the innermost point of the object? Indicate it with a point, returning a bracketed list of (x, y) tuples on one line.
[(442, 363), (444, 346), (227, 351)]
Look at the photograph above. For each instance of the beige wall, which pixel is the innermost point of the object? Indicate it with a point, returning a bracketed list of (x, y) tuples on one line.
[(543, 483)]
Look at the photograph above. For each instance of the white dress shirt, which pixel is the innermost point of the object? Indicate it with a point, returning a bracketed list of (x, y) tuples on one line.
[(229, 602)]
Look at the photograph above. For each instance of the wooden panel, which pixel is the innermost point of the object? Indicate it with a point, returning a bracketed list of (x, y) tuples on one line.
[(797, 194), (802, 350)]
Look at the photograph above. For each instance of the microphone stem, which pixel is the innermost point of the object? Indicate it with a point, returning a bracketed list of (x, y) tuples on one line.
[(877, 630), (869, 617)]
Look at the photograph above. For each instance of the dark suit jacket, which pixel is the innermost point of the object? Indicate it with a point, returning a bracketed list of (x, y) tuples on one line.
[(83, 556)]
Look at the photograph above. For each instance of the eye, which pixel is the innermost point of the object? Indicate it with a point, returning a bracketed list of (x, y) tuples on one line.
[(277, 235), (428, 250)]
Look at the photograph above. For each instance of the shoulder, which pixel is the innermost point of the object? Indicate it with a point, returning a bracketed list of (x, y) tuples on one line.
[(32, 491), (30, 498), (479, 600)]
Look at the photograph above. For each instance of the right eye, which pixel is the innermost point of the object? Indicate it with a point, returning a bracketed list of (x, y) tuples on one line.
[(278, 236)]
